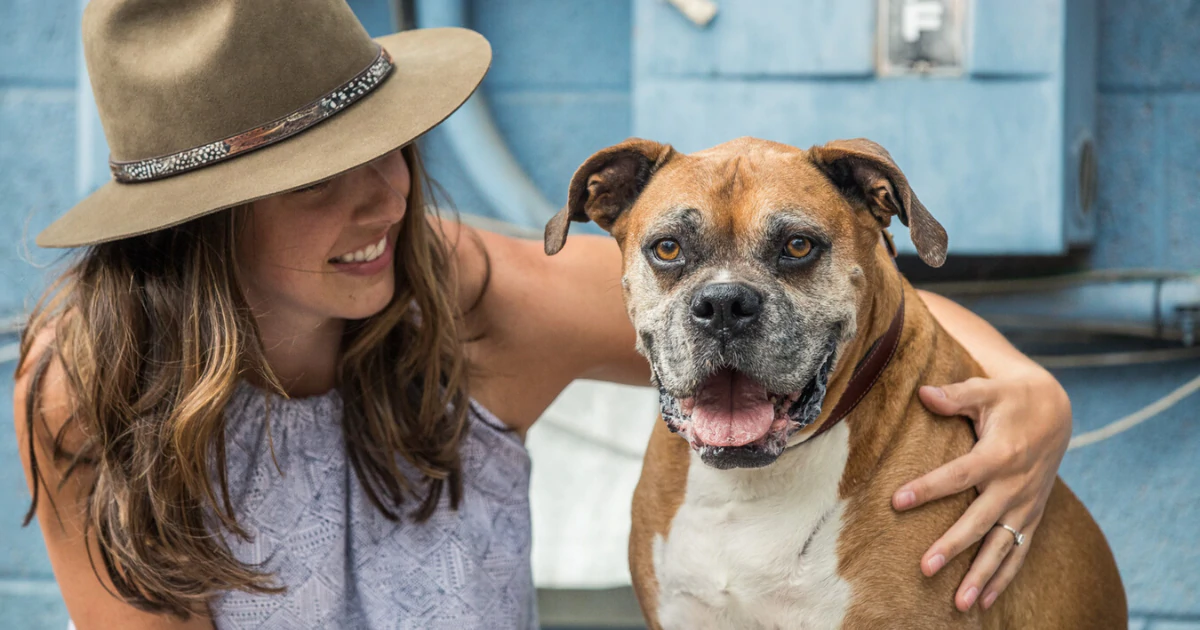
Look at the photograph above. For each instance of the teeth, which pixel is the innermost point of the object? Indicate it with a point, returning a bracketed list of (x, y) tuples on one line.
[(366, 254)]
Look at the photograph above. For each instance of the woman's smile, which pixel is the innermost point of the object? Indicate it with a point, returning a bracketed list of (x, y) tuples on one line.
[(367, 260)]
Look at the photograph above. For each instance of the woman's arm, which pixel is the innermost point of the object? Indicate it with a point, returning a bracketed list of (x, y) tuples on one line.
[(987, 346), (60, 514), (1023, 419)]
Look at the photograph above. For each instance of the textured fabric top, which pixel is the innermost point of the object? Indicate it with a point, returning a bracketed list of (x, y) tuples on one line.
[(343, 563)]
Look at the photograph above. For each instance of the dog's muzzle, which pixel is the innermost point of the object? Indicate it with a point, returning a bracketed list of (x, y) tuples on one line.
[(732, 421)]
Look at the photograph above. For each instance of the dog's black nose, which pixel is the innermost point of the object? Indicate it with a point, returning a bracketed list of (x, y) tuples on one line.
[(726, 307)]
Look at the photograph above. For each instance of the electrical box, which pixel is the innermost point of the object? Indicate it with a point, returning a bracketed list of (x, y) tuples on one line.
[(988, 107)]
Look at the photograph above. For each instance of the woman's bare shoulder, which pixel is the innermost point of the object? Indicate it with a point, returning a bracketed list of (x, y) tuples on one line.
[(87, 594)]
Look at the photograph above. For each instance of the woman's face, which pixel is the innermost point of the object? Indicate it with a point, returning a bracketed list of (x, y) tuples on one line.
[(325, 252)]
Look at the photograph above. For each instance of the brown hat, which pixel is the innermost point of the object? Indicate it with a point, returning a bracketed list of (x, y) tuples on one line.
[(207, 104)]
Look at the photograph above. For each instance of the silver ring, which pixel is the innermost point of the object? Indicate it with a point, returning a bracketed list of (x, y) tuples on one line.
[(1020, 538)]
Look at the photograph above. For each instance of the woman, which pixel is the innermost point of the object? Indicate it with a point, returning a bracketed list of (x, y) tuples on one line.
[(246, 402)]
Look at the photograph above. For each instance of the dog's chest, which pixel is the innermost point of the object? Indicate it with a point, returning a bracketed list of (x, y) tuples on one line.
[(757, 548)]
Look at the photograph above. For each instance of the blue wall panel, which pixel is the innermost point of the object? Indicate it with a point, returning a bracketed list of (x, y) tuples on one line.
[(555, 45), (585, 122), (1148, 114), (458, 191), (1150, 210), (377, 16), (1017, 37), (38, 42), (1181, 169), (38, 52), (37, 167), (559, 85), (986, 149), (762, 38), (1149, 45), (1130, 182), (1079, 123), (970, 150)]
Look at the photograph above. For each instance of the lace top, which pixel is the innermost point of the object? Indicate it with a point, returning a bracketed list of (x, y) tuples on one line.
[(344, 564)]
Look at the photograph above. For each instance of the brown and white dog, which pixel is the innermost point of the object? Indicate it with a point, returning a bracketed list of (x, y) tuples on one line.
[(755, 276)]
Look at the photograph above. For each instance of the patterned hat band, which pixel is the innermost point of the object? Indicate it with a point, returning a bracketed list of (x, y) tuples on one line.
[(190, 159)]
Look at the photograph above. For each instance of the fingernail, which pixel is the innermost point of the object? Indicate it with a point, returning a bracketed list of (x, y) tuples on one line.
[(937, 392), (936, 563), (905, 499), (972, 593), (990, 599)]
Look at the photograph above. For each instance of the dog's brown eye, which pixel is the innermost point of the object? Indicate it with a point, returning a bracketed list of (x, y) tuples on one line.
[(798, 247), (666, 250)]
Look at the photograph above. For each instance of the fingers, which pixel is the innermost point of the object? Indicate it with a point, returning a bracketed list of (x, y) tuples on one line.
[(948, 479), (967, 398), (973, 525), (995, 549), (1011, 565)]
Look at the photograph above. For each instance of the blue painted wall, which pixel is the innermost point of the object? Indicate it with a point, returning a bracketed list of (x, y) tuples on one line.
[(38, 48), (38, 51), (1149, 134), (560, 88)]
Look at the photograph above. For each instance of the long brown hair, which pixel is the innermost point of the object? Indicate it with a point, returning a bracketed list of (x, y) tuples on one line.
[(153, 333)]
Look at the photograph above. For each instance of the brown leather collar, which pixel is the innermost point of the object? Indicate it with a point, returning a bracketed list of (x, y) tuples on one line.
[(868, 371)]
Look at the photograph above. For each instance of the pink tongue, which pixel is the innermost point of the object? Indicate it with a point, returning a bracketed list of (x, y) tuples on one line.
[(730, 410)]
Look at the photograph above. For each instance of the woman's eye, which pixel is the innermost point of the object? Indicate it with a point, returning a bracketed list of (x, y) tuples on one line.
[(317, 187), (798, 247), (666, 250)]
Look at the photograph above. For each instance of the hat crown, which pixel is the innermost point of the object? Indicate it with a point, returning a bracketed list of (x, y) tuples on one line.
[(171, 75)]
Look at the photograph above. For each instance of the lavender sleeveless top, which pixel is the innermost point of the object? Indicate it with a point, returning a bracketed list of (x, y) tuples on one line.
[(343, 563)]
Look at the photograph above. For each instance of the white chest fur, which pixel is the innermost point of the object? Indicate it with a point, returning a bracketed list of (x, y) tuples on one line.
[(758, 548)]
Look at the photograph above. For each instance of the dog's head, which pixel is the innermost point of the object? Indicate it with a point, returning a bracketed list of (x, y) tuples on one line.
[(744, 274)]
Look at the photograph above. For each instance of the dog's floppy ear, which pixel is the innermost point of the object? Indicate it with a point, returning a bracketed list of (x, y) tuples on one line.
[(606, 186), (865, 170)]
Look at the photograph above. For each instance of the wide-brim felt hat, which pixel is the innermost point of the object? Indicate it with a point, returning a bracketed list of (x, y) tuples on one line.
[(209, 104)]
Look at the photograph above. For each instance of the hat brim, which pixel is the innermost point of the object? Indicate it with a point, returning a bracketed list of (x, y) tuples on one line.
[(435, 71)]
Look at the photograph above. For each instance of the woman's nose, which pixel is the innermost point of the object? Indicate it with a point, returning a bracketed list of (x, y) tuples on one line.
[(385, 198)]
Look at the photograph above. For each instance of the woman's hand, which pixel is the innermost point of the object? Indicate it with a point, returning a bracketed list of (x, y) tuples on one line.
[(1023, 421)]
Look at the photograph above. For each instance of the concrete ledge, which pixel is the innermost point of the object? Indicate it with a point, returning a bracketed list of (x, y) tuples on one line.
[(579, 608)]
